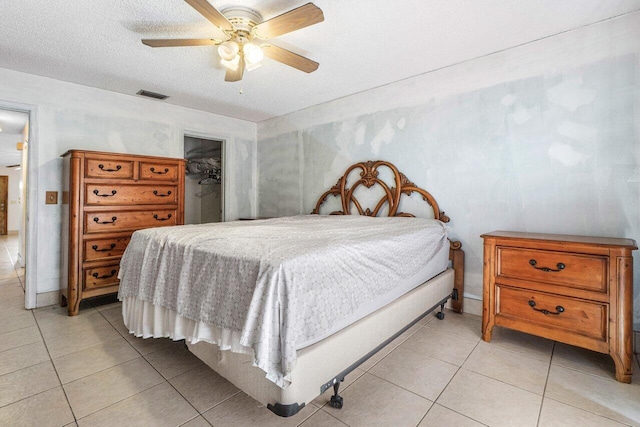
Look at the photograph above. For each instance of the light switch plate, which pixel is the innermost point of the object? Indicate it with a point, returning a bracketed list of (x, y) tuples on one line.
[(51, 198)]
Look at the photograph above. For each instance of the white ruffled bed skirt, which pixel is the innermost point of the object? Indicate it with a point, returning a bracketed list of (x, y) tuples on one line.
[(143, 319)]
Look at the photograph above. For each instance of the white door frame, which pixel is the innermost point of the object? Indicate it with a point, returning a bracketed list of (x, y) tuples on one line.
[(31, 232), (223, 141)]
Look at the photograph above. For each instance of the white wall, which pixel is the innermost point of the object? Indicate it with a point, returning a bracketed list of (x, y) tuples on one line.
[(544, 137), (70, 116)]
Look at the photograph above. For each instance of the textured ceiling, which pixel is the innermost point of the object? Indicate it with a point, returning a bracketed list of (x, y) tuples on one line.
[(361, 44)]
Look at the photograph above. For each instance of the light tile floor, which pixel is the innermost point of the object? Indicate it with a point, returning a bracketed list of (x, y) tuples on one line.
[(88, 371)]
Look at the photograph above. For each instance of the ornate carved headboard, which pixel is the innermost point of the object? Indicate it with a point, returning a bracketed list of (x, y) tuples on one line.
[(390, 202), (393, 191)]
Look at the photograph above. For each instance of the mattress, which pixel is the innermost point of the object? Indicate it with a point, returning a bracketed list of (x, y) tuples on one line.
[(270, 288)]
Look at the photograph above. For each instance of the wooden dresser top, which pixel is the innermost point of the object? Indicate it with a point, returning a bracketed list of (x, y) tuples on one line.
[(603, 241), (120, 155)]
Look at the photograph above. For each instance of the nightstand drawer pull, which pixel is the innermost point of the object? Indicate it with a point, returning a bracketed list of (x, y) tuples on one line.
[(155, 193), (559, 265), (113, 220), (153, 170), (118, 167), (106, 276), (559, 308), (95, 248), (113, 193), (155, 216)]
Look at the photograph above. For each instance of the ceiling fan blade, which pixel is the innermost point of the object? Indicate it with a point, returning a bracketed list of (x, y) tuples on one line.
[(179, 42), (293, 20), (289, 58), (211, 13), (235, 75)]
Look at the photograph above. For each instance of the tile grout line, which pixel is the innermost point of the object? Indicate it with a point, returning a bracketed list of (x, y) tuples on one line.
[(449, 383), (128, 397), (73, 414), (331, 415), (591, 374), (546, 382), (154, 368), (592, 413), (19, 346)]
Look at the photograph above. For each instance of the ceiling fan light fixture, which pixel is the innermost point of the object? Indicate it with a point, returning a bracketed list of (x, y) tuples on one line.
[(228, 50), (231, 64), (237, 26), (253, 54)]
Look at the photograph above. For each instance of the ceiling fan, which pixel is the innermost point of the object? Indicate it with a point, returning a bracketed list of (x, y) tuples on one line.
[(239, 28)]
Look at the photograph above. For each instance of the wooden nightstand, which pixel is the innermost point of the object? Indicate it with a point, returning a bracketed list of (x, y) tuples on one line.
[(573, 289)]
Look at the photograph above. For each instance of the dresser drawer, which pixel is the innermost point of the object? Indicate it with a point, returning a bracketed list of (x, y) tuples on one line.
[(108, 168), (105, 194), (95, 249), (110, 221), (158, 171), (552, 313), (587, 272), (100, 277)]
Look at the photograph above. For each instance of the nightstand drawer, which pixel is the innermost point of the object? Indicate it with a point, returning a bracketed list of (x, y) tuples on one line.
[(552, 312), (587, 272)]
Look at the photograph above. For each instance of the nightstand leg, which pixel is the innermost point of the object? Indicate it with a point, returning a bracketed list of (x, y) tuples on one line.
[(623, 368), (486, 333)]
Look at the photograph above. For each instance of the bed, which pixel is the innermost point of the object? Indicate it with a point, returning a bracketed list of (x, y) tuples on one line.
[(285, 308)]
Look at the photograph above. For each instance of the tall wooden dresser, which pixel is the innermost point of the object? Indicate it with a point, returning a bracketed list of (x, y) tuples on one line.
[(109, 197), (573, 289)]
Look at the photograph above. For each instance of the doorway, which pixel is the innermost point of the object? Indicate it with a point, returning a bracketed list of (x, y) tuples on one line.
[(204, 189), (15, 132)]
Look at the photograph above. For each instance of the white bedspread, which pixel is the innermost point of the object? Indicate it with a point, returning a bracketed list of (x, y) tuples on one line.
[(275, 283)]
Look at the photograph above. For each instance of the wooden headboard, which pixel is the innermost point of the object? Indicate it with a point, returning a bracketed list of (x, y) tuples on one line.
[(393, 191), (392, 194)]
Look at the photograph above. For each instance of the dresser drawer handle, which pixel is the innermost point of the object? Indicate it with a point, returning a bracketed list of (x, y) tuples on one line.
[(161, 219), (560, 266), (118, 167), (113, 193), (155, 193), (153, 170), (113, 220), (95, 248), (559, 308), (106, 276)]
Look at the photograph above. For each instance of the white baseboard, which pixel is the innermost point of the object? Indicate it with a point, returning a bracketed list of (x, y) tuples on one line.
[(47, 298), (472, 306)]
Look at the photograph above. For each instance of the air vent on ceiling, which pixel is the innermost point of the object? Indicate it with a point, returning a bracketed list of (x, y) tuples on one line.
[(153, 95)]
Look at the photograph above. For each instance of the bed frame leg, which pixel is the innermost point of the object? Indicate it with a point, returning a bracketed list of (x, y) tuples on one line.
[(440, 314), (336, 400)]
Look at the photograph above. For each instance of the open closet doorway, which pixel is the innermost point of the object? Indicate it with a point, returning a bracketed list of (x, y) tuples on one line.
[(204, 189)]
